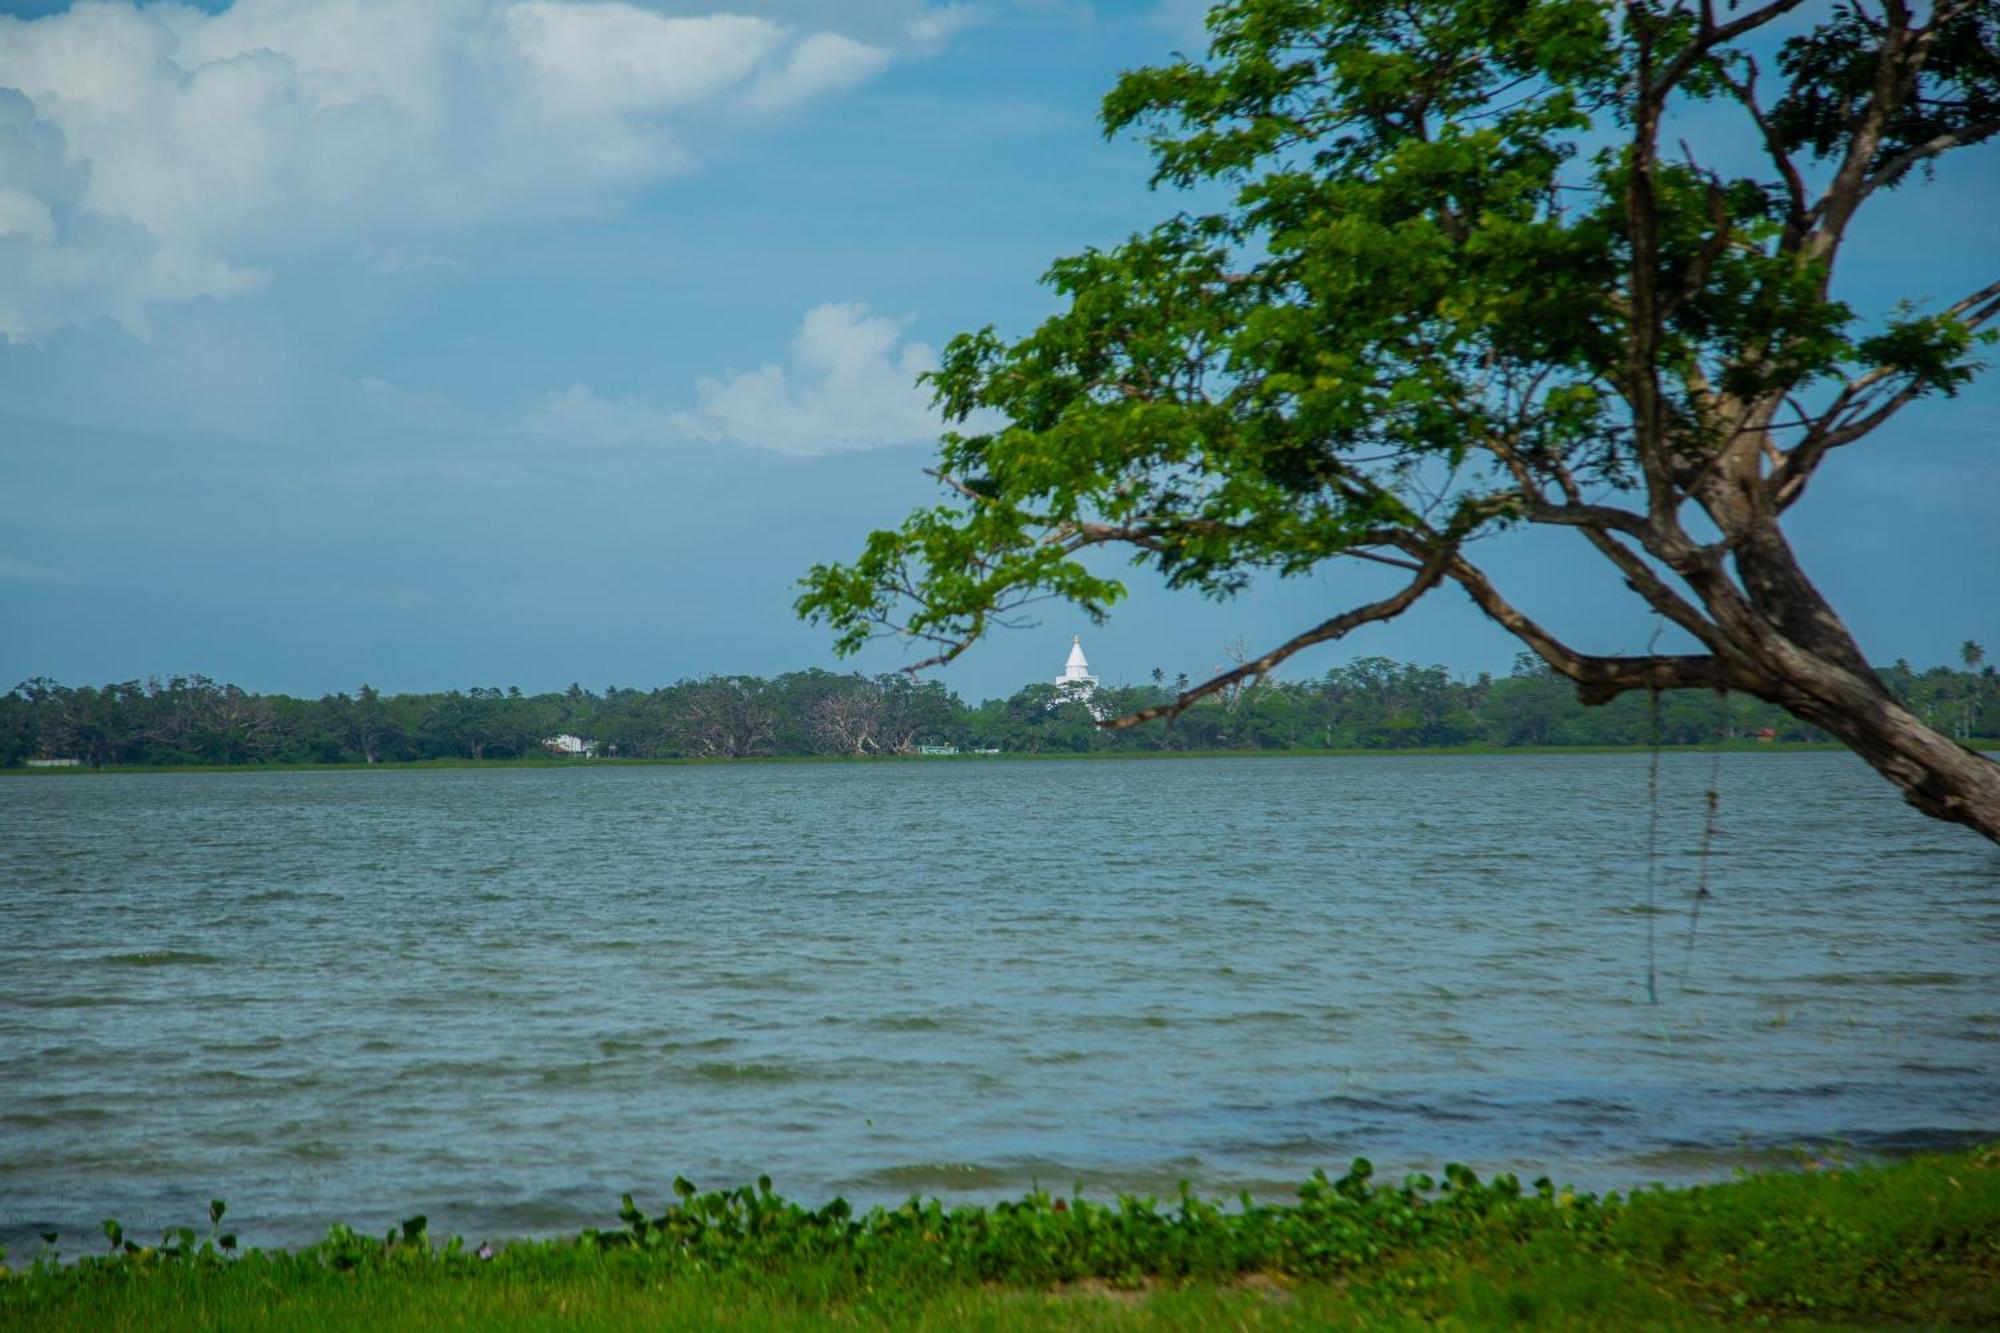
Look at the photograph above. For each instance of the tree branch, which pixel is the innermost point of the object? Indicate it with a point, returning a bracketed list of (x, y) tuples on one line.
[(1598, 679), (1898, 166), (1896, 68), (1798, 214), (1788, 481), (1428, 577)]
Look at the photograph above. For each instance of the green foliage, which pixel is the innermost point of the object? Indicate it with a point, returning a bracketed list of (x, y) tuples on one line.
[(1916, 1240), (1448, 277), (1830, 74), (1370, 703)]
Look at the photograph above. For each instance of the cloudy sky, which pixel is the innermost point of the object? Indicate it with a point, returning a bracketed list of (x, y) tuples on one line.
[(530, 341)]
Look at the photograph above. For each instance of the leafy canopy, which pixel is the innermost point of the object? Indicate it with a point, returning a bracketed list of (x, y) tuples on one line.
[(1459, 283)]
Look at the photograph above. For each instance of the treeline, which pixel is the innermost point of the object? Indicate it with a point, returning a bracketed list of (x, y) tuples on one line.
[(1372, 704)]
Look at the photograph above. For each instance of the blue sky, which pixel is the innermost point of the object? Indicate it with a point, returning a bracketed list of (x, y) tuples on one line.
[(521, 341)]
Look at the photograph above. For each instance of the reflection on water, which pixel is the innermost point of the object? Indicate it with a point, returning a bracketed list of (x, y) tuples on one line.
[(503, 997)]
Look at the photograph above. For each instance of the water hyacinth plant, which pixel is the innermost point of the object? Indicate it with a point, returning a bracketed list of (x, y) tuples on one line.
[(1919, 1239)]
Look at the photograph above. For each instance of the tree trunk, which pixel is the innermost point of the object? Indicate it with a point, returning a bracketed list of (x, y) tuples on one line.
[(1822, 677), (1936, 774)]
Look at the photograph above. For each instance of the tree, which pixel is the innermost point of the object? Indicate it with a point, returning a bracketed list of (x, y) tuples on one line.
[(361, 722), (724, 717), (1468, 277)]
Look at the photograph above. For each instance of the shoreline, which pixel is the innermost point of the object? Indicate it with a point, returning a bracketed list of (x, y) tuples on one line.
[(1982, 744)]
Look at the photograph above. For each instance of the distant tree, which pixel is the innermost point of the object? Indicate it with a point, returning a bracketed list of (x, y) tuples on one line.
[(846, 717), (914, 712), (363, 721), (724, 717), (1469, 276)]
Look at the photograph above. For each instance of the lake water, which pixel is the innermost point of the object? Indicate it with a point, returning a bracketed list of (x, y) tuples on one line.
[(503, 997)]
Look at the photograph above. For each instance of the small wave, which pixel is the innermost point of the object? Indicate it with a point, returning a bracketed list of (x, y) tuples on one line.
[(1714, 1157), (1684, 1155), (1919, 1139), (1932, 1067), (226, 1077), (566, 1076), (1884, 978), (747, 1071), (88, 1115), (1059, 1057), (268, 1043), (161, 958), (1259, 1016), (71, 1001), (939, 1176), (905, 1023), (449, 1069), (312, 1150), (1466, 1109), (706, 1044), (779, 982), (1348, 1103), (1289, 1149), (542, 1215), (1598, 1108), (619, 1045)]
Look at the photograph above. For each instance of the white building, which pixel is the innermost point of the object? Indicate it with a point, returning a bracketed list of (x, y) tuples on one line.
[(570, 746), (1076, 678)]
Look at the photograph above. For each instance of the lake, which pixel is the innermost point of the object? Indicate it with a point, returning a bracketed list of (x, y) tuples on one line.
[(503, 997)]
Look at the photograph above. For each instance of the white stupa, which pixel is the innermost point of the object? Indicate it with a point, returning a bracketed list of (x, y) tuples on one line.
[(1076, 677)]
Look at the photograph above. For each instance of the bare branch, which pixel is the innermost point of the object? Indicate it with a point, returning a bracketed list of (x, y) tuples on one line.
[(1712, 35), (1598, 679), (1428, 577), (1579, 515), (1396, 562), (1798, 216), (1896, 67), (1756, 18), (1899, 166), (1839, 426)]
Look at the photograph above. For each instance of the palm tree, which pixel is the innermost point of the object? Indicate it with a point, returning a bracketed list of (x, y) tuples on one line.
[(1976, 687)]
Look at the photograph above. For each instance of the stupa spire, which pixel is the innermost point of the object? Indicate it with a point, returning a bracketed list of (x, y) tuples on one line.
[(1076, 671)]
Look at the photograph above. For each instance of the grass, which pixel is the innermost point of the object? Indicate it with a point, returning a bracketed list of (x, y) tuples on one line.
[(1916, 1242)]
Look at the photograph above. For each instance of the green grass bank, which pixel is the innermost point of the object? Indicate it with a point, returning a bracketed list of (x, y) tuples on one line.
[(1914, 1243)]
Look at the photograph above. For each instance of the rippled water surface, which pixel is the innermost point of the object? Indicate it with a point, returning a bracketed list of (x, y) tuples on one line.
[(502, 997)]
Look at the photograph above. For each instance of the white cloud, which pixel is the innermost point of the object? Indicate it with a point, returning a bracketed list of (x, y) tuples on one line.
[(612, 58), (578, 415), (823, 63), (162, 153), (938, 25), (850, 383)]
